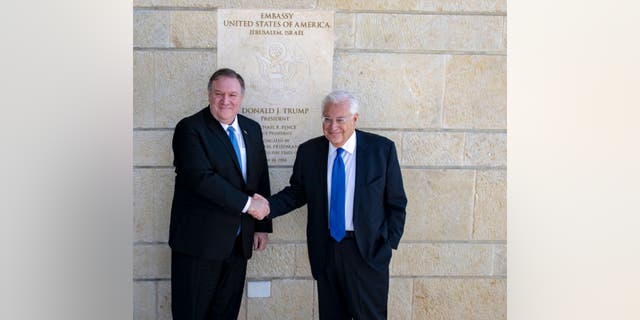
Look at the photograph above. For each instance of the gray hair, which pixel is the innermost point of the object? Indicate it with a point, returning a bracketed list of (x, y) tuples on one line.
[(226, 72), (337, 96)]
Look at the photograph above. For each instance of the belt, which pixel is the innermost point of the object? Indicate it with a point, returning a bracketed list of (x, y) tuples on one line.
[(347, 235)]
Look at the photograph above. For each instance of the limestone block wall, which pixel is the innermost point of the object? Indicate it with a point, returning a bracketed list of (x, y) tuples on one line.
[(431, 76)]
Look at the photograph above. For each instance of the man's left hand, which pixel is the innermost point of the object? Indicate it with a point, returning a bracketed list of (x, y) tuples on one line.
[(260, 240)]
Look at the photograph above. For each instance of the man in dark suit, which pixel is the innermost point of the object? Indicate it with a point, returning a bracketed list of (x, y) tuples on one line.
[(352, 185), (220, 163)]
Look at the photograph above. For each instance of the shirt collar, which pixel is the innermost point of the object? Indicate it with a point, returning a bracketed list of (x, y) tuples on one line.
[(349, 146), (234, 124)]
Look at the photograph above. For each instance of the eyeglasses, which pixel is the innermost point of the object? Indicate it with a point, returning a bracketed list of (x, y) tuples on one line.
[(339, 120)]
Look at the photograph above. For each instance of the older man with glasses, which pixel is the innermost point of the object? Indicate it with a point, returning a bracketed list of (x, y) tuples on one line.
[(351, 182)]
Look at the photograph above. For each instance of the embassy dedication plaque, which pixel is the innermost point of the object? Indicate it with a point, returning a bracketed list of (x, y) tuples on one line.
[(286, 60)]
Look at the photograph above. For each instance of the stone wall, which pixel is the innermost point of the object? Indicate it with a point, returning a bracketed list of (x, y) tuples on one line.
[(431, 76)]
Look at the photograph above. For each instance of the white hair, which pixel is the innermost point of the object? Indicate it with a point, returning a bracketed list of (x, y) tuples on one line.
[(337, 96)]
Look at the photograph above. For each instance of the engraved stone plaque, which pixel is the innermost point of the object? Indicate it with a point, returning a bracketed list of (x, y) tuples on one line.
[(286, 59)]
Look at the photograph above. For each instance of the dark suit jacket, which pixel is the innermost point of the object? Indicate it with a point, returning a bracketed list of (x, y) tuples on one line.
[(210, 192), (378, 206)]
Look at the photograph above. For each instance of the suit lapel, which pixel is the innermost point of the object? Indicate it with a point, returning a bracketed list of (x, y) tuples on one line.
[(321, 163), (215, 127), (361, 155), (249, 145)]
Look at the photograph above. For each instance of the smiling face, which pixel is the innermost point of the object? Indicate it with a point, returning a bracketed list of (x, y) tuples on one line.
[(225, 98), (338, 124)]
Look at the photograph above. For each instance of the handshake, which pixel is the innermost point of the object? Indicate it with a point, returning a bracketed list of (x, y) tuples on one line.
[(259, 207)]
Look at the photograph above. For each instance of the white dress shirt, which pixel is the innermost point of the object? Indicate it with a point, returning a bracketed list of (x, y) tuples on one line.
[(243, 152), (349, 159)]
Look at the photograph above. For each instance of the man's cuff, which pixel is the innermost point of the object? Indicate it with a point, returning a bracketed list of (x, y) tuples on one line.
[(246, 206)]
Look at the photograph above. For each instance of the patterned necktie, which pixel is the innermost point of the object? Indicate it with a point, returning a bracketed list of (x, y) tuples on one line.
[(234, 143), (336, 213)]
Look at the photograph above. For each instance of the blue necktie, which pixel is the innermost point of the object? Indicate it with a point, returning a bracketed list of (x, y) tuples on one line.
[(336, 213), (234, 143)]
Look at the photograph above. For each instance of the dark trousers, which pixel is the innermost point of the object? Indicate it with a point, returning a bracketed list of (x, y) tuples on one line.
[(205, 289), (350, 288)]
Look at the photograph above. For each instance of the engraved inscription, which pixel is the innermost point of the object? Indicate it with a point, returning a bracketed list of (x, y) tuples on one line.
[(286, 58)]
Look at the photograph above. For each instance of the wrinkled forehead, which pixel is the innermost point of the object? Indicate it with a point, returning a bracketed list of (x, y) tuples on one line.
[(227, 84), (338, 108)]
